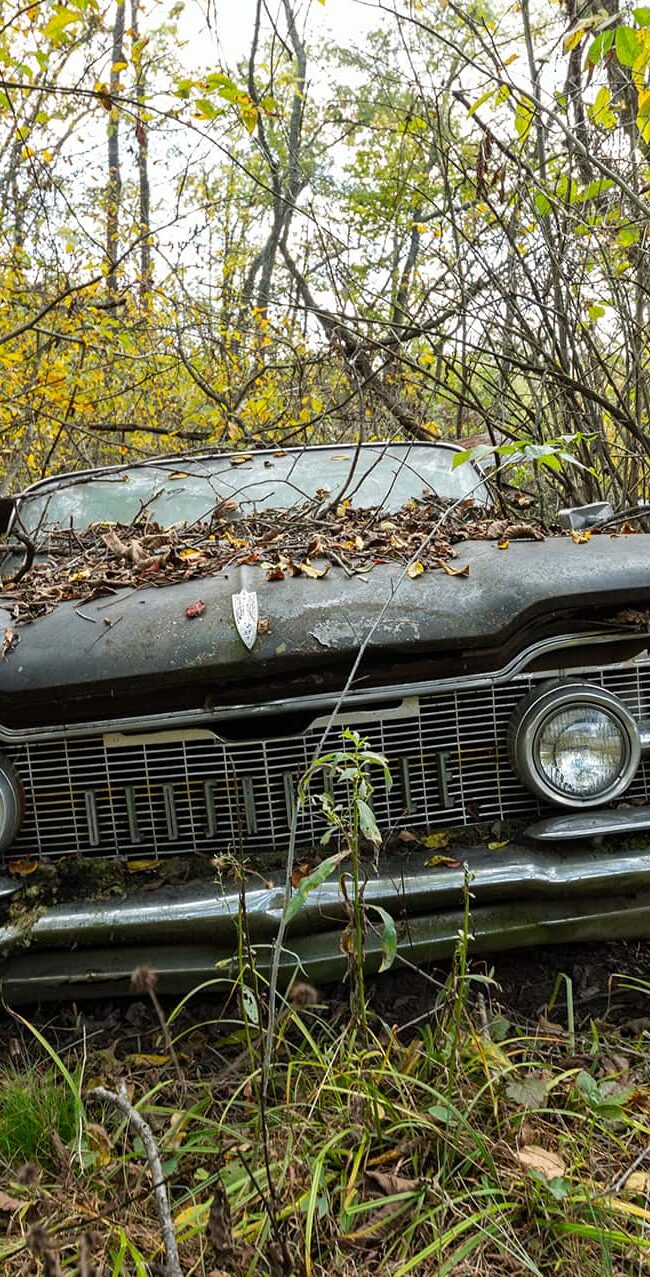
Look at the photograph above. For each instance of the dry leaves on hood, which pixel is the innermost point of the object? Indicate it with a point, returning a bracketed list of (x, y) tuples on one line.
[(9, 642), (87, 563)]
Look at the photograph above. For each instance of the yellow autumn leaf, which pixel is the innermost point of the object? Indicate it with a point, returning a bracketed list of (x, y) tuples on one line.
[(436, 840), (139, 866), (194, 1216), (503, 545), (573, 39), (498, 846), (119, 66), (100, 1143), (628, 1208), (139, 1058), (308, 569), (415, 569), (580, 538), (21, 868), (189, 555), (464, 571), (443, 862)]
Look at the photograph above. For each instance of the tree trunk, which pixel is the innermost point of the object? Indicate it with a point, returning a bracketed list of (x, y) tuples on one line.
[(143, 158), (114, 185)]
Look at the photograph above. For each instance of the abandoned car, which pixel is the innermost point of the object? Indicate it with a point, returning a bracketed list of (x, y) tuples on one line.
[(182, 636)]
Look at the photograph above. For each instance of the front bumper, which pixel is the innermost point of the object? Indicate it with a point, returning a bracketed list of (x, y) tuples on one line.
[(519, 898)]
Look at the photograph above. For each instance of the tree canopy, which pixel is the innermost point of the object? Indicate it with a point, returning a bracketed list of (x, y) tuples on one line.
[(437, 230)]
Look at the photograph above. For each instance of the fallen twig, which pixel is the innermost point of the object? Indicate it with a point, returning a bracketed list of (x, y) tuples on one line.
[(121, 1101)]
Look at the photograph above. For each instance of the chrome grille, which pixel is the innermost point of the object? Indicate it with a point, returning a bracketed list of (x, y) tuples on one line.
[(172, 793)]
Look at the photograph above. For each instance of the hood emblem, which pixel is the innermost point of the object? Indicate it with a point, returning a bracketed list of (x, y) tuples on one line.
[(244, 610)]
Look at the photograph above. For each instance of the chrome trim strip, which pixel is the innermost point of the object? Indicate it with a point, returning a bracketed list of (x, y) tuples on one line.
[(209, 789), (289, 782), (250, 813), (170, 812), (91, 817), (593, 824), (322, 700), (442, 767), (134, 825), (406, 784)]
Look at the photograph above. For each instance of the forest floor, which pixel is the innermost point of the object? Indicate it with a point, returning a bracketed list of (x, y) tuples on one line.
[(494, 1118)]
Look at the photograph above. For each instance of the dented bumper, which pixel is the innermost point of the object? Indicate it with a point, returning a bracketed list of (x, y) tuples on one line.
[(519, 897)]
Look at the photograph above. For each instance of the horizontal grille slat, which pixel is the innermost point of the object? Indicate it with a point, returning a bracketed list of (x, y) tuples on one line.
[(447, 754)]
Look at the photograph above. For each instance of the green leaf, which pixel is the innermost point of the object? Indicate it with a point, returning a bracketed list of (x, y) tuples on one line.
[(628, 235), (442, 1113), (460, 458), (595, 311), (628, 46), (219, 80), (567, 189), (558, 1187), (54, 29), (249, 1005), (532, 1092), (600, 111), (313, 880), (599, 47), (551, 461), (206, 108), (594, 189), (642, 16), (388, 938), (485, 97), (369, 826), (524, 117), (589, 1088), (542, 204)]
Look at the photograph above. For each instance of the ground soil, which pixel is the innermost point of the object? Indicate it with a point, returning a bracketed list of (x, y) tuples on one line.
[(519, 987)]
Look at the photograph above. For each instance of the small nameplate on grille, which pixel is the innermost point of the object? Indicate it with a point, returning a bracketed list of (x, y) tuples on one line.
[(244, 610)]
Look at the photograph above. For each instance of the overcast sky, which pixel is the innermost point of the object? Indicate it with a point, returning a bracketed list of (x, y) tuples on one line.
[(343, 20)]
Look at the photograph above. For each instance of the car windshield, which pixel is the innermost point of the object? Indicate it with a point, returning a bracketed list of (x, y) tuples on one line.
[(187, 489)]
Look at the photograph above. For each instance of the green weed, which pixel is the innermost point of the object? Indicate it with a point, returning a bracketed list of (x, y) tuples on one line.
[(35, 1107)]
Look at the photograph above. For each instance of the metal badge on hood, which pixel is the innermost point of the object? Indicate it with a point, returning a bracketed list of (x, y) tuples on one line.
[(244, 610)]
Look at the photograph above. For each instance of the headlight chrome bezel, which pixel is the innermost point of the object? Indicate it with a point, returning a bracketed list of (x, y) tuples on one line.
[(12, 803), (541, 705)]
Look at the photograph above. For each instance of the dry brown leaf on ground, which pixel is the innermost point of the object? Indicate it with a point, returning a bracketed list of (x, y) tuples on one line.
[(219, 1227), (9, 1203), (637, 1182), (532, 1157), (390, 1182)]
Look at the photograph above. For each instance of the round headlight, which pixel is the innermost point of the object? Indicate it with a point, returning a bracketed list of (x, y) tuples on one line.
[(574, 744), (11, 803)]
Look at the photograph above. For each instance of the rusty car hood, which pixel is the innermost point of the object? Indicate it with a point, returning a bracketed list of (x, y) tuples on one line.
[(144, 635)]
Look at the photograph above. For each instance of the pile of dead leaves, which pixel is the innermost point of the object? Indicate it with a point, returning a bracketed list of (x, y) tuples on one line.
[(104, 558)]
